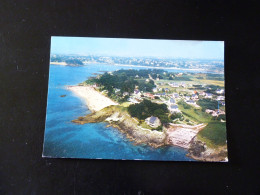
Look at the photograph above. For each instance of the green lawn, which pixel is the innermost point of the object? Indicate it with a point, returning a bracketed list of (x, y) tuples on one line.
[(214, 134)]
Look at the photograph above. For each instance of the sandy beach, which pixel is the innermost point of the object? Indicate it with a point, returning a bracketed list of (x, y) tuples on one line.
[(59, 63), (94, 99)]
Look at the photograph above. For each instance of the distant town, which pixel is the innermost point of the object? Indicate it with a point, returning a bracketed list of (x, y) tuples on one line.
[(213, 66)]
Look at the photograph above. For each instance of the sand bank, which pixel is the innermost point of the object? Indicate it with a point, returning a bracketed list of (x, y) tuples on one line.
[(94, 99), (59, 63)]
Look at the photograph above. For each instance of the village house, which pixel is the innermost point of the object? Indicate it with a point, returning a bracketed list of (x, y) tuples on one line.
[(183, 85), (175, 95), (208, 95), (155, 90), (149, 95), (172, 101), (187, 98), (174, 84), (160, 94), (202, 93), (191, 102), (153, 121), (173, 108), (137, 93), (220, 91), (125, 93), (209, 111), (117, 90), (220, 98), (166, 89), (194, 96), (132, 100)]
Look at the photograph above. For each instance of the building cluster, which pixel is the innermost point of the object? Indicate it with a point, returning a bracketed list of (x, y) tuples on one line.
[(164, 95)]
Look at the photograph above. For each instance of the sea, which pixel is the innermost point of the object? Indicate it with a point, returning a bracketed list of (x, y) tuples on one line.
[(64, 139)]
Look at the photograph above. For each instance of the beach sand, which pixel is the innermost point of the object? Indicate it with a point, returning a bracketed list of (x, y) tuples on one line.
[(94, 99)]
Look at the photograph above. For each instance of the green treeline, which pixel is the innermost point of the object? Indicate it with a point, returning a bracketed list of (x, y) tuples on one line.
[(147, 108), (125, 81), (74, 62)]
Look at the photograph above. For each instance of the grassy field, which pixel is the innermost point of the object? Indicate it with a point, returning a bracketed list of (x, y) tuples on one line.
[(195, 114), (214, 134), (209, 82)]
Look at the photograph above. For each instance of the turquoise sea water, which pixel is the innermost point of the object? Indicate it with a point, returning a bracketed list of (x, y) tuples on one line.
[(64, 139)]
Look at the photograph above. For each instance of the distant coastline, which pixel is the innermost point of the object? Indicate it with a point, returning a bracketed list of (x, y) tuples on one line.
[(140, 66)]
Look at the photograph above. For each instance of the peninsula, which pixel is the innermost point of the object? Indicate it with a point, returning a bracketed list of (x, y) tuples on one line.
[(158, 108)]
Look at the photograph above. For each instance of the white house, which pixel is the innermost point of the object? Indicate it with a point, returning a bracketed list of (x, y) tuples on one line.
[(153, 121), (187, 98), (220, 91), (194, 96), (190, 102), (172, 101), (125, 93), (175, 95), (174, 108), (221, 98), (208, 95), (155, 90), (174, 84)]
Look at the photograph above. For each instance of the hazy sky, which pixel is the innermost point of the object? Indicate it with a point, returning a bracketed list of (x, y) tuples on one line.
[(138, 47)]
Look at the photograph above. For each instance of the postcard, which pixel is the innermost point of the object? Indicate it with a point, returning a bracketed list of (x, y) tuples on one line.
[(136, 99)]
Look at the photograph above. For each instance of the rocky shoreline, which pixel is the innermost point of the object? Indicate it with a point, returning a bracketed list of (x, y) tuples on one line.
[(199, 151), (126, 124), (118, 117)]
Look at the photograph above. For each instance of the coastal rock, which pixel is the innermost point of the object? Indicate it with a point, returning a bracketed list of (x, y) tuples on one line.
[(199, 151), (120, 119)]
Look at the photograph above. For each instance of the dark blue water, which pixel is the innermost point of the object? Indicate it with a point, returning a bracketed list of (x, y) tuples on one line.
[(69, 140)]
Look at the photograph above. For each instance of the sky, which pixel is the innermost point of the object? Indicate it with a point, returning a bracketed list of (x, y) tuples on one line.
[(138, 47)]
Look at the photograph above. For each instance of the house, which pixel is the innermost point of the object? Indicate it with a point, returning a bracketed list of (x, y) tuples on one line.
[(174, 84), (155, 90), (191, 102), (132, 100), (194, 96), (153, 121), (175, 95), (147, 80), (209, 111), (160, 94), (222, 103), (166, 89), (172, 101), (183, 85), (220, 98), (149, 95), (137, 93), (220, 91), (174, 108), (136, 76), (202, 93), (187, 97), (157, 79), (117, 90), (208, 95), (125, 93)]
